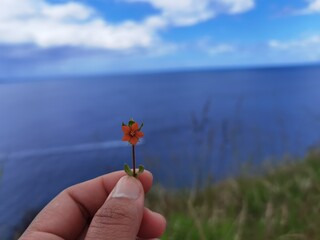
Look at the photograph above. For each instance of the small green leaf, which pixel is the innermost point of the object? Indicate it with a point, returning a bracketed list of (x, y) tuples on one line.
[(123, 124), (141, 126), (127, 169), (131, 122), (141, 169)]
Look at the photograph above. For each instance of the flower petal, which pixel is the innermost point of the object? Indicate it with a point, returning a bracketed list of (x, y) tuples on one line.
[(126, 138), (135, 127), (134, 140), (126, 129), (139, 134)]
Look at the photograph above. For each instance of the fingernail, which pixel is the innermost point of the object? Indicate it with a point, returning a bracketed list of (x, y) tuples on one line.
[(127, 187)]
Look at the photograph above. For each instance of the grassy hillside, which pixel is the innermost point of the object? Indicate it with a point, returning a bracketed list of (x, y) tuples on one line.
[(282, 204)]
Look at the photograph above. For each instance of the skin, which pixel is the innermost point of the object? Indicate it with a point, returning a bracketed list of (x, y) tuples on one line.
[(75, 212)]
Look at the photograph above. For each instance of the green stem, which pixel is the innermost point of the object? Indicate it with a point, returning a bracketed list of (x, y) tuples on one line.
[(134, 161)]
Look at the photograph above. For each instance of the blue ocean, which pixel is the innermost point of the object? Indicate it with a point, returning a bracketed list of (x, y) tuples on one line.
[(199, 126)]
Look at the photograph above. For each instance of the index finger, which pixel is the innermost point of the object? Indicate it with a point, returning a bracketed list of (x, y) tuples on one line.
[(68, 213)]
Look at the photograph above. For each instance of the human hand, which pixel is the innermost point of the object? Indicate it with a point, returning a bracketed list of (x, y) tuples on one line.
[(108, 207)]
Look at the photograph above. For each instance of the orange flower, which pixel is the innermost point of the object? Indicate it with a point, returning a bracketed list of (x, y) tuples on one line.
[(132, 133)]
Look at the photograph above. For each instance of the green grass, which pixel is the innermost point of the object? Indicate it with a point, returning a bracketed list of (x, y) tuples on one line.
[(283, 203)]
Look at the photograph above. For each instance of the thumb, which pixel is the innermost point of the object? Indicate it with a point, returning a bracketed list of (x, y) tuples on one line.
[(121, 214)]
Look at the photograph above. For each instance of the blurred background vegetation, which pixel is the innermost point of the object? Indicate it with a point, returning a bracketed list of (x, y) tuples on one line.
[(282, 203)]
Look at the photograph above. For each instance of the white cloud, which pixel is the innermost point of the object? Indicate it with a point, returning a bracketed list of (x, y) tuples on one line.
[(220, 48), (313, 7), (237, 6), (308, 48), (301, 43), (72, 11), (69, 24), (190, 12), (211, 48), (181, 12), (74, 24)]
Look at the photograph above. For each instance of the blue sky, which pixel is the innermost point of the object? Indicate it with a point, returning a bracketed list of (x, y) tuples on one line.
[(61, 37)]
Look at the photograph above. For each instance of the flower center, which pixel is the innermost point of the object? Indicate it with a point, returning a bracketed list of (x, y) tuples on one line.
[(132, 133)]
